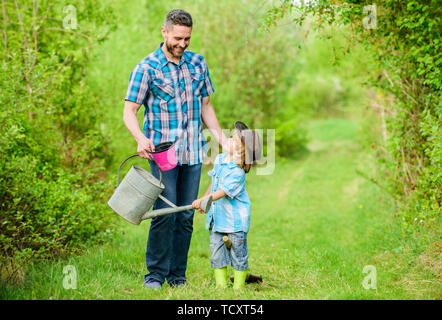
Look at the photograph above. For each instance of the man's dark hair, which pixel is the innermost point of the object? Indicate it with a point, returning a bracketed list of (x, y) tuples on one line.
[(178, 17)]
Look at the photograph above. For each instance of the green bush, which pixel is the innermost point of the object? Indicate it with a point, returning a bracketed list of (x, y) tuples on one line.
[(53, 153), (328, 80), (406, 45), (290, 138)]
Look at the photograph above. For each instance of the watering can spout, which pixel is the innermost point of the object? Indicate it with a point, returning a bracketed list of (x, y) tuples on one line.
[(205, 206)]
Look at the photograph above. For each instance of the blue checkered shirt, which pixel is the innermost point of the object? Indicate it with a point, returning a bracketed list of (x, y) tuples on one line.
[(232, 212), (172, 95)]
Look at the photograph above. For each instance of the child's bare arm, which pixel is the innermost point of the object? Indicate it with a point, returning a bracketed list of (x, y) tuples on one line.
[(218, 194), (208, 190)]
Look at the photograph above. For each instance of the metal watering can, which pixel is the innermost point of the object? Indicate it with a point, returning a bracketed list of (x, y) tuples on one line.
[(138, 192)]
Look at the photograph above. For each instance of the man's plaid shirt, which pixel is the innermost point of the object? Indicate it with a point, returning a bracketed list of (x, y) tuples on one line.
[(172, 95)]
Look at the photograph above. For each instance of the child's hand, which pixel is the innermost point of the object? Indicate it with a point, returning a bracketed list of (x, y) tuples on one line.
[(197, 205)]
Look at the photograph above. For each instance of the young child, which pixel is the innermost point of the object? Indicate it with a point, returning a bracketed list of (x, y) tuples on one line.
[(230, 211)]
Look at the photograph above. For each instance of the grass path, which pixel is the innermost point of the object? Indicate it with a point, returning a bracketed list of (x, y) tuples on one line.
[(315, 225)]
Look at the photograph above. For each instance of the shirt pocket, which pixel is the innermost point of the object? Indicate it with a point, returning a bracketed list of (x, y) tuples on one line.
[(163, 88), (198, 77)]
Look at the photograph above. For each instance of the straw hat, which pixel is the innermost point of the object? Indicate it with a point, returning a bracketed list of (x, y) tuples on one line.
[(252, 143)]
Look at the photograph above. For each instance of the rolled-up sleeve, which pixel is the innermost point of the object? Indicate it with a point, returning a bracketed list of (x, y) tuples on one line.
[(138, 85), (233, 183)]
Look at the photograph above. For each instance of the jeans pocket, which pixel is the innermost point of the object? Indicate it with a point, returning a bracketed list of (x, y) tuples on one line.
[(239, 243), (239, 251)]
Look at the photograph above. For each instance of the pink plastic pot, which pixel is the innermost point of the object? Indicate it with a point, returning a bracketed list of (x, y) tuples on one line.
[(165, 155)]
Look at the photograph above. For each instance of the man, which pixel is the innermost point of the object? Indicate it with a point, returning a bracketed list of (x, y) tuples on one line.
[(174, 86)]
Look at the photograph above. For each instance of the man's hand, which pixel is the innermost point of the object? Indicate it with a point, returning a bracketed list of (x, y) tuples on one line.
[(145, 146), (197, 205)]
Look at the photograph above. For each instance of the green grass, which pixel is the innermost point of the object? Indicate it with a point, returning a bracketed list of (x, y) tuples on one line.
[(315, 225), (315, 222)]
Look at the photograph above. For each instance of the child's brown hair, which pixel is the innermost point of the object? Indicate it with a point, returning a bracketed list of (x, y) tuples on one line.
[(238, 139), (247, 160)]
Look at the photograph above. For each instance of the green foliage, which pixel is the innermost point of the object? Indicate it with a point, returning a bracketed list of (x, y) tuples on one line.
[(328, 79), (53, 152), (410, 53), (290, 138), (247, 66), (406, 44)]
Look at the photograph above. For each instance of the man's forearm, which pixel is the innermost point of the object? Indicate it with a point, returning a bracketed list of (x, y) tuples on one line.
[(210, 120), (144, 145), (131, 121)]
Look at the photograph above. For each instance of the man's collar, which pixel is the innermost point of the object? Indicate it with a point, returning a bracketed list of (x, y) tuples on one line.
[(163, 59)]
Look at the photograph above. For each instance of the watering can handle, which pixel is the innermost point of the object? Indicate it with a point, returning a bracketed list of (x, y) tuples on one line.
[(134, 155)]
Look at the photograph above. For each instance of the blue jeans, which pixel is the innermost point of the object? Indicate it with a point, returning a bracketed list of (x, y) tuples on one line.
[(169, 236)]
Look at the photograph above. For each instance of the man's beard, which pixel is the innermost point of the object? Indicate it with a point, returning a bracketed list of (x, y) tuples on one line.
[(171, 51)]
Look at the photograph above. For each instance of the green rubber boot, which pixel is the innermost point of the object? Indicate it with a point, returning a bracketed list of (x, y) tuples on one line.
[(239, 279), (221, 277)]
